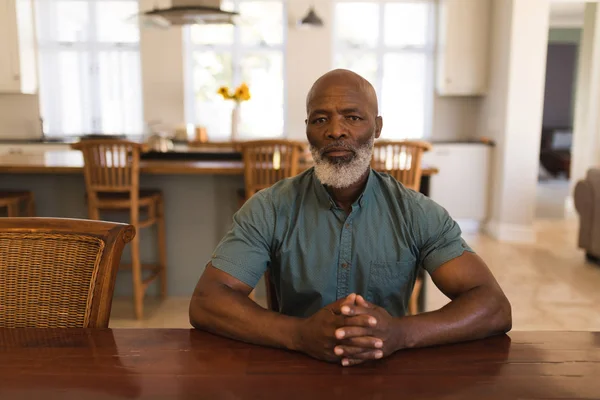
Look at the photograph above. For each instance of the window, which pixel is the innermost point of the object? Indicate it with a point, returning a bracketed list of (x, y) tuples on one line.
[(89, 65), (252, 51), (393, 49)]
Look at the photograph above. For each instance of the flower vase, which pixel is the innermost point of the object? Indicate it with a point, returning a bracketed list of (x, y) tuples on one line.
[(235, 121)]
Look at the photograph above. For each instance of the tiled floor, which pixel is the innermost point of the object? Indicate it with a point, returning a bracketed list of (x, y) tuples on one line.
[(548, 283)]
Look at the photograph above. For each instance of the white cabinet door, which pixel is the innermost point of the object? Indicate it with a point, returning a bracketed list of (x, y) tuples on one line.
[(462, 59), (9, 47), (35, 148), (18, 48), (462, 184)]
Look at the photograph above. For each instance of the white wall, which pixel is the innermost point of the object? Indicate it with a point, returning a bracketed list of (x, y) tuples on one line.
[(309, 55), (586, 133), (162, 58), (512, 113)]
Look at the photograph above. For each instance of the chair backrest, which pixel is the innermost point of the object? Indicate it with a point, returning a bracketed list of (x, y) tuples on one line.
[(59, 273), (268, 161), (400, 159), (110, 165)]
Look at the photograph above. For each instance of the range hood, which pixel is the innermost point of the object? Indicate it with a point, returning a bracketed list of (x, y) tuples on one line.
[(189, 12)]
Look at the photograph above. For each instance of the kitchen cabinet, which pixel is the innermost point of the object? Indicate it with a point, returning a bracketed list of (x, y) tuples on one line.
[(462, 47), (32, 148), (463, 183), (18, 65)]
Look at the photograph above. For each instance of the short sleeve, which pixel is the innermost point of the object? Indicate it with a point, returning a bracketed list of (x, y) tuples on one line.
[(440, 236), (244, 252)]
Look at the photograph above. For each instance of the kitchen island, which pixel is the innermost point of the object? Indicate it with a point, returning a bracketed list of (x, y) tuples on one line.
[(200, 200)]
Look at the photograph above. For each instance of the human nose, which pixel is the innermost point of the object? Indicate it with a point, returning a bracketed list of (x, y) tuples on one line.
[(337, 129)]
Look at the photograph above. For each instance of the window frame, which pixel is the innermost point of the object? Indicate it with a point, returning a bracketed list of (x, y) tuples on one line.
[(237, 50), (46, 27), (381, 50)]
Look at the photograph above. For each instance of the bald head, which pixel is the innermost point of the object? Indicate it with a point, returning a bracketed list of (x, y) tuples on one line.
[(342, 81)]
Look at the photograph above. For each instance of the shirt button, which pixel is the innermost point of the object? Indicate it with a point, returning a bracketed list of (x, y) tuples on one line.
[(344, 265), (348, 226)]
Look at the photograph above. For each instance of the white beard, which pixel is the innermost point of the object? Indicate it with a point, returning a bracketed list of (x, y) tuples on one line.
[(343, 174)]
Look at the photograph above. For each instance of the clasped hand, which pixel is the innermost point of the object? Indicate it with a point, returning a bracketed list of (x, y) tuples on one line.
[(351, 330)]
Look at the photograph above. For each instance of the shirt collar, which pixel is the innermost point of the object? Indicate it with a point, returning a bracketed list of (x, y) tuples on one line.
[(326, 201)]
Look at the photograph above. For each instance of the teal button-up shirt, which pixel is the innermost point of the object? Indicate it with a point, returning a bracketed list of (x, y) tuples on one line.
[(317, 254)]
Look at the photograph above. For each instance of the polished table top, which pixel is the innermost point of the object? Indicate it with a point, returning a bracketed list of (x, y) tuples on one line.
[(71, 162), (178, 363)]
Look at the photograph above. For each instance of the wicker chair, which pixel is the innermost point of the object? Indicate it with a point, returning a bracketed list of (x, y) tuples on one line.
[(58, 273)]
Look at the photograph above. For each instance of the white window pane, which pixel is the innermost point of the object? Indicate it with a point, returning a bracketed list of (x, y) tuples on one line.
[(212, 70), (404, 95), (262, 115), (364, 64), (65, 90), (406, 24), (114, 24), (120, 92), (72, 21), (214, 34), (261, 22), (357, 24)]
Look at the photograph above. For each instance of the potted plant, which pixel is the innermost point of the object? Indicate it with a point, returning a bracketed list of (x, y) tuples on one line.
[(240, 94)]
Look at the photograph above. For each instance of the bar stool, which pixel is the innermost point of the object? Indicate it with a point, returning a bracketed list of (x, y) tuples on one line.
[(265, 163), (14, 200), (112, 170), (402, 160)]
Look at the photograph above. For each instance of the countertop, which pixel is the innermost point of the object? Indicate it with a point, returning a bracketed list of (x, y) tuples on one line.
[(71, 162), (69, 140)]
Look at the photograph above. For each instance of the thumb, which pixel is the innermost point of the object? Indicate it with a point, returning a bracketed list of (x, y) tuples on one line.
[(360, 301), (349, 300), (345, 301)]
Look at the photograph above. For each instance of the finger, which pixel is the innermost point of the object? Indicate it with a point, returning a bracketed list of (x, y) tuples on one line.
[(350, 299), (362, 357), (366, 342), (367, 321), (349, 362), (350, 309), (361, 302), (349, 351), (352, 331), (346, 301)]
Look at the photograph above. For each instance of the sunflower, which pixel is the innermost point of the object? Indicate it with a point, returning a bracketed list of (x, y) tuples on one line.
[(242, 93), (224, 91)]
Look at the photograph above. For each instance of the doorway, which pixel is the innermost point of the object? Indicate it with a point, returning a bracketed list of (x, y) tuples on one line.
[(564, 39)]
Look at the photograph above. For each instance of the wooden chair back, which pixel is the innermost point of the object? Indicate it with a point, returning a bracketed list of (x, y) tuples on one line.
[(110, 165), (268, 161), (59, 273), (400, 159)]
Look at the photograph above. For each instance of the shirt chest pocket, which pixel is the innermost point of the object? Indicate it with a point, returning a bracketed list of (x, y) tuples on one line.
[(391, 283)]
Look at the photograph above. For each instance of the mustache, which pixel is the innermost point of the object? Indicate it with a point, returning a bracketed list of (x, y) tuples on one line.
[(337, 145)]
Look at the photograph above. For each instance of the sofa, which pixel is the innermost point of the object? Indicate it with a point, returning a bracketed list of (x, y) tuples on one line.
[(587, 203)]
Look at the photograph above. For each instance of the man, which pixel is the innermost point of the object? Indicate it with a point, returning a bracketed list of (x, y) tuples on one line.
[(344, 245)]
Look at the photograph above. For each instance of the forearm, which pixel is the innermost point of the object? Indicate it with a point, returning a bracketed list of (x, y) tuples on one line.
[(478, 313), (229, 313)]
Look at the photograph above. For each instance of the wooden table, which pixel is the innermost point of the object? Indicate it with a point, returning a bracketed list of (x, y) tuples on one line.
[(71, 162), (177, 363)]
